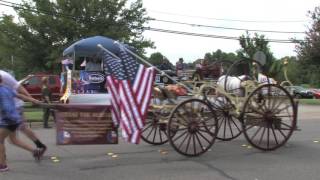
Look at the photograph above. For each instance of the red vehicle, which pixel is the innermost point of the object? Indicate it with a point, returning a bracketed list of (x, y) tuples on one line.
[(33, 85), (316, 93)]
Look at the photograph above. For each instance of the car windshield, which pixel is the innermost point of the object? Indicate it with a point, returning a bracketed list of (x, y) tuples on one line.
[(299, 88)]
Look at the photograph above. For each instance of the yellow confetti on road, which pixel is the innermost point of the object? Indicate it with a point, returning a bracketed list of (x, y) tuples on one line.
[(164, 152), (249, 147), (244, 145), (114, 156), (53, 158), (110, 153), (315, 141), (56, 160)]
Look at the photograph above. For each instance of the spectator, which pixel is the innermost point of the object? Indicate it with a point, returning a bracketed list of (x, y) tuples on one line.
[(94, 64), (67, 64), (46, 97), (180, 66)]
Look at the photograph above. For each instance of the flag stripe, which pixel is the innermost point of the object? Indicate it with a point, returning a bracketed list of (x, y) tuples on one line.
[(144, 92), (115, 103), (142, 84), (115, 100), (139, 78), (127, 109), (132, 103), (125, 121), (146, 100)]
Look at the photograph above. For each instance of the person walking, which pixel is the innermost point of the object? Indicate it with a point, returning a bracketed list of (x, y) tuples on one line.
[(180, 66), (10, 82), (10, 120), (46, 98)]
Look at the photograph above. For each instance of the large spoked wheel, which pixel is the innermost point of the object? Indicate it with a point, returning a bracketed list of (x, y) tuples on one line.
[(229, 126), (154, 131), (269, 117), (192, 127)]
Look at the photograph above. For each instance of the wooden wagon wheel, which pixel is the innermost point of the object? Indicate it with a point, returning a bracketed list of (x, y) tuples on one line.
[(192, 127), (269, 117), (154, 131), (229, 126)]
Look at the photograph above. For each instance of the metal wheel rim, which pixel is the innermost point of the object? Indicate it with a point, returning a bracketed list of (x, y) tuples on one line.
[(180, 129), (271, 130)]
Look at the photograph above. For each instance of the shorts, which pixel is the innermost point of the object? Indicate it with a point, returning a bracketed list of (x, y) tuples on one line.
[(12, 127), (22, 124)]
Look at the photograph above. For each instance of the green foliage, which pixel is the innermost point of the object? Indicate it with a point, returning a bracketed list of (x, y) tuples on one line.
[(219, 55), (157, 58), (278, 69), (249, 46), (309, 51), (47, 27)]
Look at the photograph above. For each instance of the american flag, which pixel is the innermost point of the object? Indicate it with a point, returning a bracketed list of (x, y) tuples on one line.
[(130, 85)]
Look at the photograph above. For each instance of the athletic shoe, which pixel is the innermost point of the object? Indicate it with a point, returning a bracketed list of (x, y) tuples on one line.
[(43, 150), (37, 154), (3, 168)]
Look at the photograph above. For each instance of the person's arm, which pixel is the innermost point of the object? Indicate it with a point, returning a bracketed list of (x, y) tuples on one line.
[(23, 91), (28, 98)]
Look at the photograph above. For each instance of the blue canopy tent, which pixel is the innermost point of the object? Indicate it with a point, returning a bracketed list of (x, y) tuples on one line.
[(88, 47)]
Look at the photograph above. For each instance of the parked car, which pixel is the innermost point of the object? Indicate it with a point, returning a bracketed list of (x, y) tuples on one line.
[(32, 83), (164, 79), (316, 93), (299, 92)]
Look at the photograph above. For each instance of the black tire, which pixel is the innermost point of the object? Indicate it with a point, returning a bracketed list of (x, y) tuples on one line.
[(298, 96)]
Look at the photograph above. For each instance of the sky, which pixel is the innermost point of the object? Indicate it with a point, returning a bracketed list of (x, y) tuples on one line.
[(274, 15), (270, 15)]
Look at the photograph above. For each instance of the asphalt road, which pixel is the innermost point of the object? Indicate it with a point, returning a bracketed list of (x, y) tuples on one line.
[(299, 159)]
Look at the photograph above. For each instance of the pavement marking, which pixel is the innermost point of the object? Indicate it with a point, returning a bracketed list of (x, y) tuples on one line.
[(315, 141)]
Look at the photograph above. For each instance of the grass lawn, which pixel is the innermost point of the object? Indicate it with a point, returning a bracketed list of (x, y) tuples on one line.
[(309, 101), (32, 113)]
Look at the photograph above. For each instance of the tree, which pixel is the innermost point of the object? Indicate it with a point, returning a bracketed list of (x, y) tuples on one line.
[(309, 51), (249, 46), (157, 59), (220, 55), (47, 27)]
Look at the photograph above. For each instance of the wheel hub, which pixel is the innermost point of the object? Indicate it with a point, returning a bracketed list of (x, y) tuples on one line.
[(193, 127)]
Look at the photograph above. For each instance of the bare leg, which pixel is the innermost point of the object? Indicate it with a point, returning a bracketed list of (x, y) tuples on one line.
[(16, 141), (3, 134), (28, 132)]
